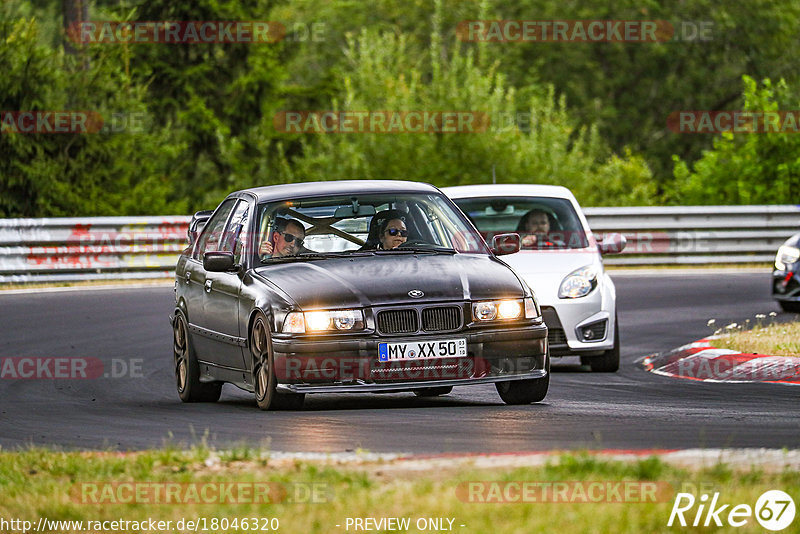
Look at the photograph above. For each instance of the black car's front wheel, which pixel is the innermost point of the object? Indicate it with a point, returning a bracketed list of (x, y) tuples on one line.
[(187, 370), (523, 391), (789, 306), (264, 380)]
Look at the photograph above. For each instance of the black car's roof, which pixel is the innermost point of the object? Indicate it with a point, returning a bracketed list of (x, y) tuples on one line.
[(335, 187)]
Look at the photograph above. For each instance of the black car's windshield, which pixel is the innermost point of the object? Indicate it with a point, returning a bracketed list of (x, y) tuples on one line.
[(363, 225), (553, 220)]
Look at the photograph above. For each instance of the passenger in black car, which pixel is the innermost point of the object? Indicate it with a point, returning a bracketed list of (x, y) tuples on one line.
[(380, 224), (393, 234)]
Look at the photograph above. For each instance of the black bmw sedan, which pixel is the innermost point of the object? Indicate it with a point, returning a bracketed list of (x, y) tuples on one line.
[(351, 286)]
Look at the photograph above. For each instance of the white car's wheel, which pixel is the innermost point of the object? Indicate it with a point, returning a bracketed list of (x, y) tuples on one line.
[(609, 361)]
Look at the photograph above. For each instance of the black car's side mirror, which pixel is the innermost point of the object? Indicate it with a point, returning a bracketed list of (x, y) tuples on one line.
[(218, 262), (612, 244), (197, 224), (503, 244)]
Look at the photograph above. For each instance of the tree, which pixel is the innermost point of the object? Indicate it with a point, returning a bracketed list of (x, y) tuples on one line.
[(382, 74), (746, 168), (75, 12)]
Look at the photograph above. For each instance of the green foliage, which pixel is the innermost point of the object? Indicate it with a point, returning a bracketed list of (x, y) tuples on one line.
[(593, 115), (548, 147), (52, 174), (746, 168), (629, 89)]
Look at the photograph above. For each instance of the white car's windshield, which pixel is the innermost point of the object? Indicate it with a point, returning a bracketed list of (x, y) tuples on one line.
[(370, 223), (542, 222)]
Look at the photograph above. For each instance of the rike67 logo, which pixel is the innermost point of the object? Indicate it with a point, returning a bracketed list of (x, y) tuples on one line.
[(774, 510)]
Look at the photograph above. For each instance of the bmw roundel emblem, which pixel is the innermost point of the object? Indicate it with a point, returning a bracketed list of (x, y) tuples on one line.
[(416, 294)]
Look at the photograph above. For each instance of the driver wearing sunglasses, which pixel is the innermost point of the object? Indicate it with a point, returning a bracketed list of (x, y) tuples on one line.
[(393, 234), (287, 239)]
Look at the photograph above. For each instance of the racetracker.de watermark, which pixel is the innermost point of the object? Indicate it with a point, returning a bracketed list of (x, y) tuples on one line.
[(383, 121), (743, 122), (175, 32), (406, 367), (69, 368), (573, 31), (74, 122), (583, 31), (738, 367), (181, 493), (569, 491)]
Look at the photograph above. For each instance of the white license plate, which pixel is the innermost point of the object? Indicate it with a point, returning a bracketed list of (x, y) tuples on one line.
[(413, 350)]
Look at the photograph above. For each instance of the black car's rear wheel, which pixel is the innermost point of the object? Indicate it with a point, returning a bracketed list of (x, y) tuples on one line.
[(187, 370), (433, 392), (264, 380)]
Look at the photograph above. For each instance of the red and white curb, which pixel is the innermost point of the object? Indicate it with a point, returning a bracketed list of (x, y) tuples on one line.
[(702, 361)]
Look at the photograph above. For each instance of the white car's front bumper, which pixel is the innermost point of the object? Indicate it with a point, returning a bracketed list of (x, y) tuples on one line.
[(569, 319)]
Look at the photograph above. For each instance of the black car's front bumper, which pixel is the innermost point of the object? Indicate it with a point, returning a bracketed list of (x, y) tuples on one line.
[(352, 365)]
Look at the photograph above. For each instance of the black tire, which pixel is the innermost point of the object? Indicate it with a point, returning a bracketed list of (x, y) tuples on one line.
[(789, 306), (609, 361), (264, 380), (187, 370), (523, 391), (433, 392)]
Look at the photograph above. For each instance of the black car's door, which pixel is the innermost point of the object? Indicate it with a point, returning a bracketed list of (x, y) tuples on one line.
[(195, 280), (221, 297)]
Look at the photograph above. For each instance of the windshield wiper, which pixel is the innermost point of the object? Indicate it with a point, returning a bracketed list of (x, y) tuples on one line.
[(324, 255), (417, 250)]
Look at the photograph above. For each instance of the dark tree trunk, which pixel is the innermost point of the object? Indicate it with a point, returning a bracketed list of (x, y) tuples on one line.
[(75, 12)]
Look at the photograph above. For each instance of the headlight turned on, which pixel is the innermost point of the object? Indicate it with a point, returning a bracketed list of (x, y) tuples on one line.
[(786, 256), (578, 283), (505, 310), (323, 321)]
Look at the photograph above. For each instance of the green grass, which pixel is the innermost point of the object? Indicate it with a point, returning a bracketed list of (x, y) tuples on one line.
[(777, 339), (38, 482)]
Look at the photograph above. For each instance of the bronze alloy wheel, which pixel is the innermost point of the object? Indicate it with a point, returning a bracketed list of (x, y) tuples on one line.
[(181, 349), (187, 370), (264, 380)]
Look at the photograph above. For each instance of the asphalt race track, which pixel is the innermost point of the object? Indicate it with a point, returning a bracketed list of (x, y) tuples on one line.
[(625, 410)]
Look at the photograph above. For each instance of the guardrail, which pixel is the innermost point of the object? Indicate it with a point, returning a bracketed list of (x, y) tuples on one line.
[(65, 249), (691, 235)]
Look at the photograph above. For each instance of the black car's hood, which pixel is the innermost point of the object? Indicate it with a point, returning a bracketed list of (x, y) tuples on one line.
[(387, 279)]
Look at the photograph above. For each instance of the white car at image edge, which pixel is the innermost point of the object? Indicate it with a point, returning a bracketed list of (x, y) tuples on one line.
[(562, 264)]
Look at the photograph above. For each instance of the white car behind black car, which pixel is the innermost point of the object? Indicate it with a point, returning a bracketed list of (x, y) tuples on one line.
[(560, 260)]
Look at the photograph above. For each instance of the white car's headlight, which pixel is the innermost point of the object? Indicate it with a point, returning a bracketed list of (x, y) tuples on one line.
[(578, 283), (323, 321), (505, 310), (786, 256)]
